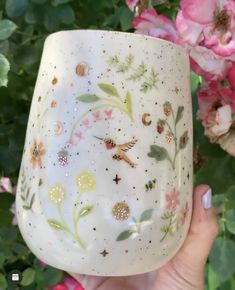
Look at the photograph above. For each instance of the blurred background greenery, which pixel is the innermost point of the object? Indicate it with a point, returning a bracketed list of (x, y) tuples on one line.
[(24, 25)]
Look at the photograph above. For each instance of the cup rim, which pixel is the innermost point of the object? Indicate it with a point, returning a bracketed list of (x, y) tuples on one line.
[(115, 32)]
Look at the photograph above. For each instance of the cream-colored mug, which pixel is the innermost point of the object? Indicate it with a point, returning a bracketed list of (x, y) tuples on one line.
[(105, 185)]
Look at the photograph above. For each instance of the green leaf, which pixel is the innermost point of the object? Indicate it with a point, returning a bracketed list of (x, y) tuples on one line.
[(16, 8), (210, 173), (4, 69), (88, 98), (50, 19), (129, 103), (59, 2), (213, 280), (230, 220), (52, 276), (179, 114), (4, 47), (28, 277), (85, 210), (34, 14), (124, 235), (222, 258), (7, 27), (109, 89), (65, 14), (126, 19), (39, 1), (2, 260), (56, 224), (146, 215), (3, 282), (159, 153), (184, 140)]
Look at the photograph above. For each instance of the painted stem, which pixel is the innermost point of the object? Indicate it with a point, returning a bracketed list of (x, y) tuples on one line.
[(75, 224), (168, 228), (65, 226)]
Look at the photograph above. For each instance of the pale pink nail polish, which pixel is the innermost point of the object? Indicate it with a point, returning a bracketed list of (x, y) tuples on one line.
[(207, 199)]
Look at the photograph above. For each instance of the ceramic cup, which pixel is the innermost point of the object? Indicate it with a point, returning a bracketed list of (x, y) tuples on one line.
[(105, 186)]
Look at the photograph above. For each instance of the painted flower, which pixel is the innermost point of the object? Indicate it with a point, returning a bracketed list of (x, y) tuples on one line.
[(132, 4), (172, 199), (57, 193), (37, 151), (86, 181), (153, 24), (184, 213), (217, 110)]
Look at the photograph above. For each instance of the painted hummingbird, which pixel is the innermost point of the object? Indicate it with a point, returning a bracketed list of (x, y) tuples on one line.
[(121, 149)]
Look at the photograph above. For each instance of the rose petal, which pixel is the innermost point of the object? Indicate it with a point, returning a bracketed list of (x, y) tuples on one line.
[(201, 11)]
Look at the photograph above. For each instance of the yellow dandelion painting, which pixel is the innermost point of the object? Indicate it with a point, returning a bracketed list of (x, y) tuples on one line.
[(57, 193), (86, 181)]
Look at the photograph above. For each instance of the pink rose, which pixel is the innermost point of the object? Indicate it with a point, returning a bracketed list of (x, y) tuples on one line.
[(153, 24), (208, 23), (68, 284), (207, 64), (131, 4), (231, 76), (5, 185), (217, 110)]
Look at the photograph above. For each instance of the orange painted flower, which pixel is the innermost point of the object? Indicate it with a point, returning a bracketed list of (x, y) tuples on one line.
[(37, 151), (172, 199)]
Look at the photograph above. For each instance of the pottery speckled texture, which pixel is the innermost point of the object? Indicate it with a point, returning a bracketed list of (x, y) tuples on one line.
[(105, 186)]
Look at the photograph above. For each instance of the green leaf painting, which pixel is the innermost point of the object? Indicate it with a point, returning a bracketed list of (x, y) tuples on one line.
[(161, 153), (146, 76), (26, 196), (88, 98), (179, 114), (86, 210), (109, 89), (124, 235), (135, 230), (111, 99), (146, 215), (56, 224)]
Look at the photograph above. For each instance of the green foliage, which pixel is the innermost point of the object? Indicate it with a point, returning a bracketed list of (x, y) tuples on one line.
[(24, 25)]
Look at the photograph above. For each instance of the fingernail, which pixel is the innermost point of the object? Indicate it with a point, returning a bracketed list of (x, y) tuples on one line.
[(206, 199)]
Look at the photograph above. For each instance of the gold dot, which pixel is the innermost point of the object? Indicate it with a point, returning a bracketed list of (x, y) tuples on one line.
[(121, 211), (54, 81), (81, 69)]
